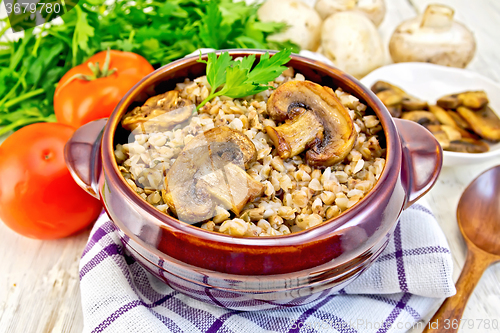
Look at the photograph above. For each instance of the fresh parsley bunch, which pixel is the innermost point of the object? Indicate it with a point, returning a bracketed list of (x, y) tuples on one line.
[(161, 31), (237, 78)]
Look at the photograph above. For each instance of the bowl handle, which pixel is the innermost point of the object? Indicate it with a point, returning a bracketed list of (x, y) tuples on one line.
[(82, 155), (422, 159)]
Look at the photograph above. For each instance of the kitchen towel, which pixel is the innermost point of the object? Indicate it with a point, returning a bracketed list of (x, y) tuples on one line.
[(409, 278)]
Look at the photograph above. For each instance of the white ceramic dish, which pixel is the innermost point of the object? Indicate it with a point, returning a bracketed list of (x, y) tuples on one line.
[(429, 82)]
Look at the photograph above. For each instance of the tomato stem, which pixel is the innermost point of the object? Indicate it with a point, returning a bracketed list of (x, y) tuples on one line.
[(97, 72)]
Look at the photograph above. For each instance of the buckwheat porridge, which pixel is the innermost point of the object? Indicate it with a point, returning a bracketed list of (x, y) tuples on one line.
[(278, 162)]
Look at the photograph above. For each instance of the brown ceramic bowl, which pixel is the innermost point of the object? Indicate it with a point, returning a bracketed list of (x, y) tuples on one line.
[(256, 273)]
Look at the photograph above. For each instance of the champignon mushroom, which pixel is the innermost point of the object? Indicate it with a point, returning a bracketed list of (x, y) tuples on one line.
[(210, 171), (314, 119), (396, 99), (443, 116), (484, 122), (351, 41), (422, 117), (433, 37), (468, 145), (159, 113), (373, 9), (461, 123), (470, 99), (304, 23)]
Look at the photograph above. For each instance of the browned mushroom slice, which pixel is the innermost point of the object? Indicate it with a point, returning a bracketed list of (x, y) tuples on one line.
[(395, 110), (411, 103), (390, 97), (210, 171), (440, 135), (383, 85), (338, 136), (469, 99), (224, 134), (467, 145), (449, 102), (484, 122), (422, 117), (159, 113), (295, 134), (452, 132), (459, 120), (443, 116), (396, 99)]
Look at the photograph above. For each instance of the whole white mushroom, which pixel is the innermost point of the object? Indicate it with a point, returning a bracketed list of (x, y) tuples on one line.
[(352, 42), (373, 9), (433, 37), (304, 22)]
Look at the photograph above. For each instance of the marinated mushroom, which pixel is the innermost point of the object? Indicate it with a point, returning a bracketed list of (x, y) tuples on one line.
[(468, 145), (314, 120), (210, 171), (159, 113), (373, 9), (396, 99), (484, 122), (422, 117), (304, 23), (470, 99), (433, 37)]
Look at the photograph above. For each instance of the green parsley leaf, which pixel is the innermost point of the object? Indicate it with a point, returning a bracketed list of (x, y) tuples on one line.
[(237, 79)]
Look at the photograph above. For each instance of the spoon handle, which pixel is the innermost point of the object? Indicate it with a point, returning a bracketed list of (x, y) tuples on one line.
[(447, 318)]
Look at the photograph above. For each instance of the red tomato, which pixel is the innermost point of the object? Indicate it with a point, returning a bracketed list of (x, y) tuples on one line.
[(78, 101), (38, 196)]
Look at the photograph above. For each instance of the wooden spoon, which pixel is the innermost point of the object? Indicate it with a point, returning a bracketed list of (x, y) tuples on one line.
[(478, 215)]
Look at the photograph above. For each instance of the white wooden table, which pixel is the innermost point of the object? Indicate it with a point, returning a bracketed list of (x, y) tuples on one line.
[(39, 284)]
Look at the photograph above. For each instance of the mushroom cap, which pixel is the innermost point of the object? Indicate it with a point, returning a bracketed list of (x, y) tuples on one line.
[(303, 21), (338, 135), (352, 42), (438, 40), (373, 9)]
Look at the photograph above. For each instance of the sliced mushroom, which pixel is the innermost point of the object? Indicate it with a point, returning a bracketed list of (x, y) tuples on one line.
[(396, 99), (439, 134), (443, 116), (468, 145), (461, 123), (422, 117), (292, 138), (433, 37), (470, 99), (209, 172), (324, 122), (484, 122), (159, 113), (452, 132), (223, 134), (232, 187)]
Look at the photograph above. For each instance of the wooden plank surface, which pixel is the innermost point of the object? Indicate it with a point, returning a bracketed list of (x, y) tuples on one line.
[(39, 285)]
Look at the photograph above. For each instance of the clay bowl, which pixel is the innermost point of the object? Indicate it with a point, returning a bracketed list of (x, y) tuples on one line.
[(266, 272)]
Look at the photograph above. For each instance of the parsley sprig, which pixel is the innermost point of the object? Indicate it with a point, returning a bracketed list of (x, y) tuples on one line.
[(237, 78)]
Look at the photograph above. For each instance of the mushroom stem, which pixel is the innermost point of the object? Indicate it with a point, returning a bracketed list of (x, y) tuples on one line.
[(438, 17), (291, 138)]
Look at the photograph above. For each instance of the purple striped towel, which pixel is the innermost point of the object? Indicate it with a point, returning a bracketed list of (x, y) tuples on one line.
[(393, 295)]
